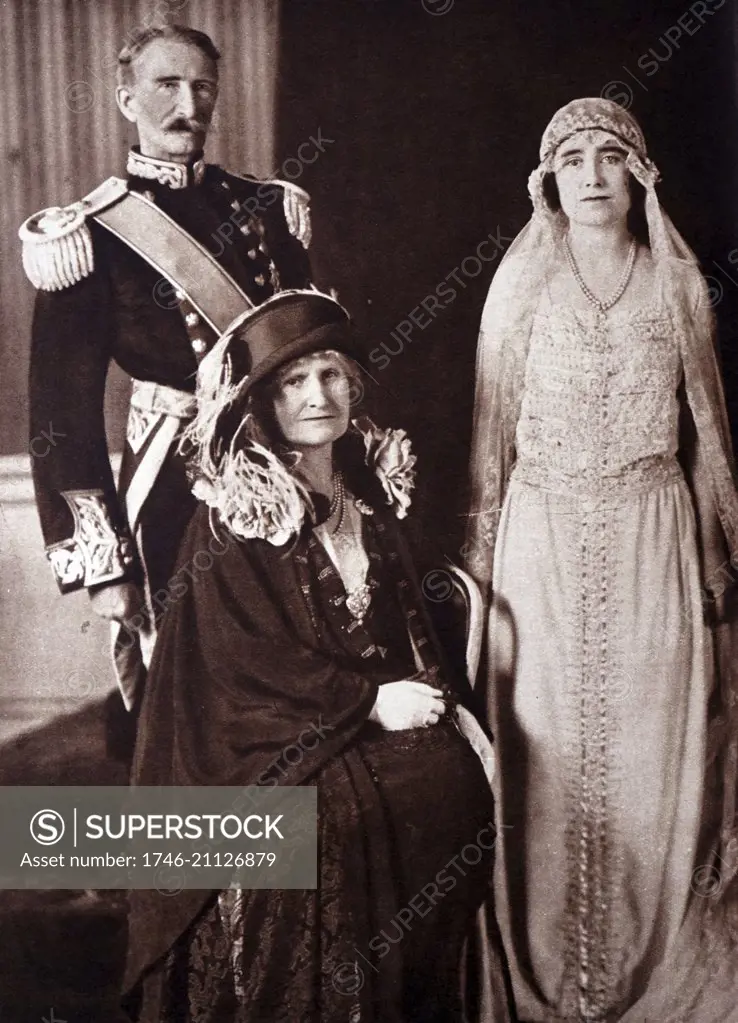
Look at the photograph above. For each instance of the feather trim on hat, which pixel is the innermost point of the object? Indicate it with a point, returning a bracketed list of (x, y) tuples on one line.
[(253, 489), (253, 493), (215, 395), (256, 495)]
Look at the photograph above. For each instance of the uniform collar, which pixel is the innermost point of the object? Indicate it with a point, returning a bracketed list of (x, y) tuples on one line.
[(172, 175)]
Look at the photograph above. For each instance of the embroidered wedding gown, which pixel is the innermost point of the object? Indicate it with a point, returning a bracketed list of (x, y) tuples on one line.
[(600, 717)]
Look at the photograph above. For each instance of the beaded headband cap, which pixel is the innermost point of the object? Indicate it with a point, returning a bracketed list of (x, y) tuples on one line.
[(589, 114)]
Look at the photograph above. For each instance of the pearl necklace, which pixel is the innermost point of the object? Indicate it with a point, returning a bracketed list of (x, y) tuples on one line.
[(602, 304), (348, 551), (338, 503)]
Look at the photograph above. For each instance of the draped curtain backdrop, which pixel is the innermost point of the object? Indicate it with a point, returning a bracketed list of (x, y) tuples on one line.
[(62, 133)]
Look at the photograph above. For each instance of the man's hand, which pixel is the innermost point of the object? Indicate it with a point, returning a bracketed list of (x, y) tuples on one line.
[(407, 704), (117, 601)]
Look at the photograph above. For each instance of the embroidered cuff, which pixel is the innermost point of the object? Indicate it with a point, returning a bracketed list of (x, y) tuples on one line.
[(94, 553)]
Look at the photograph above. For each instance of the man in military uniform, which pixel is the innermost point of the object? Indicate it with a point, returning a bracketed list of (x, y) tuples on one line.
[(147, 272)]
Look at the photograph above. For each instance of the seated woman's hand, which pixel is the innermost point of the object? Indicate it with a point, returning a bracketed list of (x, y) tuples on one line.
[(407, 704)]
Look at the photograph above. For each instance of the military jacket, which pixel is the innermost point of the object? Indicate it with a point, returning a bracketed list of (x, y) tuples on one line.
[(123, 309)]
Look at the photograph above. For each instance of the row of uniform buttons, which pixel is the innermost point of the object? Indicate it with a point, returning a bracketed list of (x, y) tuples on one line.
[(191, 318), (249, 229), (252, 253), (192, 321), (199, 346)]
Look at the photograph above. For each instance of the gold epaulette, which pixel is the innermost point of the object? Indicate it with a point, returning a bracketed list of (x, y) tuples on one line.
[(57, 245), (296, 210), (296, 202)]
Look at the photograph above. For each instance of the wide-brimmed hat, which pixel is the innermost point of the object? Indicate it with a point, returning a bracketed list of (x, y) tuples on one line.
[(285, 327), (238, 468)]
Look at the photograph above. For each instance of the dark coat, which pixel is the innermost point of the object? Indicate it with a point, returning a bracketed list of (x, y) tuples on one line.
[(122, 312), (253, 648)]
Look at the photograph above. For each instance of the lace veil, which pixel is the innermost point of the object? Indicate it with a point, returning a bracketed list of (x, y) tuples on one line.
[(504, 338), (507, 321)]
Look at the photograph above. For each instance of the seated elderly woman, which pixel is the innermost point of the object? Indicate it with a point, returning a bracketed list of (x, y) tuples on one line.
[(313, 611)]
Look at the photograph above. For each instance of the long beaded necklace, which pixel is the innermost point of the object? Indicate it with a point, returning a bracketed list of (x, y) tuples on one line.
[(338, 501), (602, 304), (346, 550)]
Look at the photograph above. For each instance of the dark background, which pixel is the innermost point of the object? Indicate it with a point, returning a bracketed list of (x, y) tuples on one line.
[(436, 121)]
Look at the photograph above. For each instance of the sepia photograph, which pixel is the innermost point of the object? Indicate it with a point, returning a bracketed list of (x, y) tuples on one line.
[(369, 511)]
